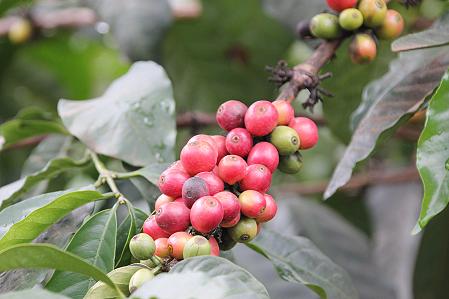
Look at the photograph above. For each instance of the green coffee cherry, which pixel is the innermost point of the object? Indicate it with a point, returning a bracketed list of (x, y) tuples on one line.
[(142, 246), (350, 19), (290, 164), (139, 278), (244, 231), (120, 276), (285, 139), (373, 11), (325, 25), (196, 246)]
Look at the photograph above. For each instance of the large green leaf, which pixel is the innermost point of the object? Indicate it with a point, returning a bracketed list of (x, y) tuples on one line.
[(297, 260), (37, 221), (32, 293), (203, 278), (132, 121), (432, 157), (152, 172)]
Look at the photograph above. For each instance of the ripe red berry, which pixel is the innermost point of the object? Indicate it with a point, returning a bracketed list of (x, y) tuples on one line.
[(206, 214), (264, 153), (231, 222), (252, 203), (176, 243), (239, 142), (307, 131), (173, 217), (162, 250), (230, 115), (206, 138), (221, 146), (151, 228), (198, 156), (392, 26), (340, 5), (232, 169), (177, 165), (214, 248), (230, 204), (214, 183), (193, 189), (161, 200), (270, 209), (261, 118), (285, 111), (171, 181), (258, 177)]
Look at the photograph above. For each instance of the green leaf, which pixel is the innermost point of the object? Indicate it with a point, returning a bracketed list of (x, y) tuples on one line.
[(7, 4), (32, 293), (203, 278), (94, 242), (297, 260), (40, 219), (152, 172), (132, 121), (432, 157)]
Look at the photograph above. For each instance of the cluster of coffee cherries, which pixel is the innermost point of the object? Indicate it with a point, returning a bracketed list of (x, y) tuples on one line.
[(369, 20)]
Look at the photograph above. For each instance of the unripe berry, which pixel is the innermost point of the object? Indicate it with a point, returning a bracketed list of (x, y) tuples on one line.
[(198, 156), (162, 199), (244, 231), (261, 118), (290, 164), (231, 114), (142, 246), (214, 183), (139, 278), (373, 11), (221, 146), (252, 203), (151, 228), (258, 177), (392, 26), (270, 209), (285, 111), (230, 204), (176, 243), (264, 153), (340, 5), (214, 248), (173, 217), (171, 181), (196, 246), (239, 142), (226, 242), (350, 19), (20, 31), (285, 139), (206, 138), (232, 169), (193, 189), (162, 248), (307, 131), (362, 49), (325, 25), (232, 222), (206, 214)]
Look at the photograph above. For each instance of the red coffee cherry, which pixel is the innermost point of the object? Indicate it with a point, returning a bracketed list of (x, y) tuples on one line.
[(198, 156), (307, 131), (230, 115), (177, 165), (258, 177), (232, 222), (206, 138), (214, 248), (181, 200), (171, 181), (206, 214), (232, 169), (392, 26), (162, 250), (285, 111), (362, 49), (193, 189), (340, 5), (252, 203), (214, 183), (221, 146), (270, 209), (151, 228), (264, 153), (173, 217), (261, 118), (161, 200), (176, 243), (239, 142), (230, 204)]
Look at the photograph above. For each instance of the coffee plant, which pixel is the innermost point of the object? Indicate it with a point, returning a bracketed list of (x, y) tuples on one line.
[(181, 149)]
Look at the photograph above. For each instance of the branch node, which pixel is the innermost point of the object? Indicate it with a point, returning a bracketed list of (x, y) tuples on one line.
[(280, 74)]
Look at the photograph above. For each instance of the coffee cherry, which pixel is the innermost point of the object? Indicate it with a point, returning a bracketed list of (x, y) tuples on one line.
[(350, 19), (285, 111), (290, 164), (173, 217), (230, 204), (176, 243), (285, 139), (206, 214), (232, 222), (261, 118), (139, 278), (232, 169), (264, 153), (244, 231), (20, 31), (220, 141), (226, 242), (392, 26), (181, 200), (307, 131), (142, 246), (214, 183), (239, 142), (258, 177), (373, 11), (325, 25), (177, 165), (198, 156), (206, 138), (303, 30), (214, 248), (231, 114), (252, 203), (340, 5), (162, 248), (362, 49), (151, 228), (171, 181), (270, 209), (161, 200), (196, 246), (193, 189)]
